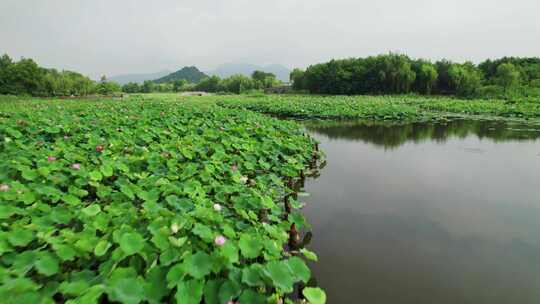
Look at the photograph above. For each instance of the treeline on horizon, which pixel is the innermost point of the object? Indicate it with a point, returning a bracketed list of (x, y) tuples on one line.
[(382, 74), (399, 74), (236, 84), (26, 77)]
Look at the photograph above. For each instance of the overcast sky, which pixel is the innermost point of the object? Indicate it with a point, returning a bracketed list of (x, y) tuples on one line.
[(127, 36)]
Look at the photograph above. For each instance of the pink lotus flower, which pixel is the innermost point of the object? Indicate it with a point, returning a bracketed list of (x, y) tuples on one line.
[(99, 148), (234, 168), (4, 187), (217, 207), (51, 158), (220, 240), (76, 166)]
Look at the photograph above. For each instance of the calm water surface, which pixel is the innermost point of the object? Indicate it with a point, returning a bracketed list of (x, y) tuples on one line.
[(427, 213)]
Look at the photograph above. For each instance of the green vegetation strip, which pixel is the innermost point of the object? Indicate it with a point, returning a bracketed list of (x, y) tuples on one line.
[(410, 108), (149, 201)]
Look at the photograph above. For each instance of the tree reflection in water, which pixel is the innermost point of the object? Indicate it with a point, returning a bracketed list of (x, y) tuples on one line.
[(393, 135)]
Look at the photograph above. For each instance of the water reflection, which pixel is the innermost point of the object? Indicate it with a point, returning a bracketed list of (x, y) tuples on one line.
[(391, 135), (427, 213)]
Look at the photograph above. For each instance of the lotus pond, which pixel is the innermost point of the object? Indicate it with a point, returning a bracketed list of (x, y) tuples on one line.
[(150, 201), (167, 199), (389, 108)]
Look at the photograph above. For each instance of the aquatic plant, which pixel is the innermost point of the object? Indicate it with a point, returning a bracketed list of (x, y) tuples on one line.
[(149, 201), (403, 108)]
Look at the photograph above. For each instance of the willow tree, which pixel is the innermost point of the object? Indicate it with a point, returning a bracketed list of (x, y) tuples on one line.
[(507, 76)]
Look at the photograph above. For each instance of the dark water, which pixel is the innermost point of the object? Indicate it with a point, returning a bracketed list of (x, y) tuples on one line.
[(427, 213)]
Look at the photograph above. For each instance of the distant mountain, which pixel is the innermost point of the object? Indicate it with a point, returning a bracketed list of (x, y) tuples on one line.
[(229, 69), (138, 78), (191, 74)]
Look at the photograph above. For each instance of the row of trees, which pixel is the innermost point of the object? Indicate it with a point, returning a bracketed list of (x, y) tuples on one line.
[(383, 74), (398, 74), (238, 83), (528, 68), (150, 86), (234, 84), (26, 77)]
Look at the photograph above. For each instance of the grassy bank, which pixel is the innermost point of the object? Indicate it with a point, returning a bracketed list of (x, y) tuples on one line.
[(152, 199)]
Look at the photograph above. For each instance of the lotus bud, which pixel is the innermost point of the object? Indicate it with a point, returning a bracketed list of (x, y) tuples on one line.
[(220, 240), (174, 228)]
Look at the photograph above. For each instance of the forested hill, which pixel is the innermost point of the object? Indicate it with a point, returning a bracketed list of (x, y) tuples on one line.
[(191, 74)]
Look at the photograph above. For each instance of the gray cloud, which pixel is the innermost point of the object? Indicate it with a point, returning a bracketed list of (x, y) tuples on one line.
[(124, 36)]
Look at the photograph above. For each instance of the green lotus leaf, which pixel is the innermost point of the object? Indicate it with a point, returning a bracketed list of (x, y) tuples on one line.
[(280, 274), (106, 170), (101, 248), (252, 275), (20, 236), (47, 264), (229, 290), (189, 292), (198, 265), (299, 269), (204, 232), (230, 252), (65, 252), (95, 176), (91, 210), (252, 297), (126, 290), (154, 288), (314, 295), (309, 254), (131, 243), (250, 245)]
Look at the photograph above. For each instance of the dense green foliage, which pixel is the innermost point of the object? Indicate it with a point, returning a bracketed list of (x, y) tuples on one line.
[(189, 74), (264, 79), (381, 107), (397, 74), (105, 87), (148, 200), (25, 77), (528, 68), (238, 83), (211, 84), (131, 87), (149, 86), (508, 78)]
